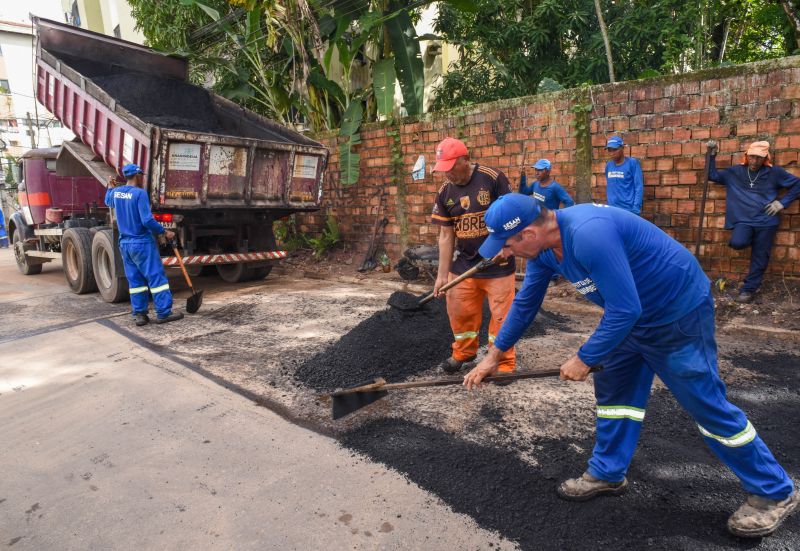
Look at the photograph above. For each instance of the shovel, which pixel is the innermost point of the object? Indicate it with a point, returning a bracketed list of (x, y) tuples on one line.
[(349, 400), (404, 302), (193, 302)]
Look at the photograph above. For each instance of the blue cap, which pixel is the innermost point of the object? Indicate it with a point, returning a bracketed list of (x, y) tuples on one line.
[(131, 170), (615, 142), (542, 164), (507, 216)]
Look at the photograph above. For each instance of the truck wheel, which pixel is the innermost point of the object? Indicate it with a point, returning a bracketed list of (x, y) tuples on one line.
[(112, 288), (261, 272), (76, 258), (19, 255), (234, 273)]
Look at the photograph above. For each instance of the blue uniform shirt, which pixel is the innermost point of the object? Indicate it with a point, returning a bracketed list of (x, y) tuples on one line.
[(625, 185), (744, 203), (636, 272), (551, 196), (134, 218)]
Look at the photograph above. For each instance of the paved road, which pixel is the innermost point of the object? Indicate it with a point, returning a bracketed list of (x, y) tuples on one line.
[(107, 445)]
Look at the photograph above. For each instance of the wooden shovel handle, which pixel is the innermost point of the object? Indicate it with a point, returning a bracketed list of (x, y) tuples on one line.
[(183, 268), (479, 267)]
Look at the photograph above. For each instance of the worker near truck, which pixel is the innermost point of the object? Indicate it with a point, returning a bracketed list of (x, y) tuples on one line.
[(752, 207), (460, 204), (142, 261), (624, 180), (658, 320)]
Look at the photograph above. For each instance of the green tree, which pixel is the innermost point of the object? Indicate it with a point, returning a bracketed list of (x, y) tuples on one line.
[(508, 46)]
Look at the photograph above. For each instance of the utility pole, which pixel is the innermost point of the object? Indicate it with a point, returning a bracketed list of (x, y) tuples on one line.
[(30, 129)]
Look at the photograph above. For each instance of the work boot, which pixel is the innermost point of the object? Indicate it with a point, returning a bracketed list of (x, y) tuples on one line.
[(452, 365), (141, 319), (744, 297), (759, 516), (587, 487), (174, 316)]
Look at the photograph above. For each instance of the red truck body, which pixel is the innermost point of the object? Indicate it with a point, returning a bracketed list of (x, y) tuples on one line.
[(217, 174)]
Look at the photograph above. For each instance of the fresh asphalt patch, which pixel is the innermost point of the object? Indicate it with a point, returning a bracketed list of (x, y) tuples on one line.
[(680, 495)]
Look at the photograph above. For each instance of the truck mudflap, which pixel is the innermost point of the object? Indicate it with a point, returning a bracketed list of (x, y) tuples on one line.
[(227, 258)]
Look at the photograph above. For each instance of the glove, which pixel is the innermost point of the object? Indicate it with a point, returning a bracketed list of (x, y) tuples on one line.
[(773, 208), (712, 147)]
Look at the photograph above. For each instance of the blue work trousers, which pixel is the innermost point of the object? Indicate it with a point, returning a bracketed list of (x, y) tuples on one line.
[(684, 356), (145, 273), (760, 239)]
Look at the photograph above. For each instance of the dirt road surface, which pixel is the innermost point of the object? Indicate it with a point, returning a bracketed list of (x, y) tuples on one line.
[(493, 458)]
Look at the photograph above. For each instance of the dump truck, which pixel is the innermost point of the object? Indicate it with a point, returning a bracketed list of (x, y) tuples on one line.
[(216, 173)]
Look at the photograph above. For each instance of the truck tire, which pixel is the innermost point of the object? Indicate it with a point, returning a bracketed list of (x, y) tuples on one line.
[(19, 255), (112, 288), (76, 258), (261, 272), (234, 273)]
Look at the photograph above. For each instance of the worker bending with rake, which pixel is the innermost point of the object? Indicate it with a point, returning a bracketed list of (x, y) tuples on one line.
[(143, 267), (658, 320), (458, 211)]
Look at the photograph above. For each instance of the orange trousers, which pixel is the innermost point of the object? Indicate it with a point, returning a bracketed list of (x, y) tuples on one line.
[(465, 309)]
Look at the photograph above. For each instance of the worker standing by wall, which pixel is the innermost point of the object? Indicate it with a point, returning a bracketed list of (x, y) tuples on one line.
[(624, 180), (658, 320), (752, 207), (139, 250), (545, 189), (458, 211)]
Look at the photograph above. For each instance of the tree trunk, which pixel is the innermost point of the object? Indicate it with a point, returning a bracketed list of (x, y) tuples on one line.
[(793, 17), (604, 32)]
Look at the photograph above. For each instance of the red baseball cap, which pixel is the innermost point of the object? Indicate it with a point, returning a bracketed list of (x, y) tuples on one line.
[(448, 150)]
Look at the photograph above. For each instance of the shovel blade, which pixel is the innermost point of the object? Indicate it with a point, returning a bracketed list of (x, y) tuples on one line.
[(405, 302), (193, 302), (345, 404)]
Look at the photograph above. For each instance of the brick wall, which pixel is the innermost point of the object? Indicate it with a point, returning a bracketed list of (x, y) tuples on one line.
[(665, 123)]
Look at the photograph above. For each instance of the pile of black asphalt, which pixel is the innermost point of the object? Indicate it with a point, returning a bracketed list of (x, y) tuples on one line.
[(395, 345), (680, 495)]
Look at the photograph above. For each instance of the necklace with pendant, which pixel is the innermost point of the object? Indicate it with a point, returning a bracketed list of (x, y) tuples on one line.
[(753, 180)]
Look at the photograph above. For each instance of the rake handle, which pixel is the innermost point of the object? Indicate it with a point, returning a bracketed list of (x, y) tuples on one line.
[(444, 381)]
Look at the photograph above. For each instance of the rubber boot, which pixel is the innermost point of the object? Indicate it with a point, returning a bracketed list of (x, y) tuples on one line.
[(452, 365), (174, 316), (141, 319), (587, 487), (759, 516)]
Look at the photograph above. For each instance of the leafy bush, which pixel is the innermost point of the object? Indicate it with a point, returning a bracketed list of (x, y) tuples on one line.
[(327, 239)]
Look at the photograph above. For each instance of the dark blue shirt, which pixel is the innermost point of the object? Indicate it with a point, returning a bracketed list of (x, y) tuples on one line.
[(132, 211), (625, 185), (551, 195), (748, 193), (636, 272)]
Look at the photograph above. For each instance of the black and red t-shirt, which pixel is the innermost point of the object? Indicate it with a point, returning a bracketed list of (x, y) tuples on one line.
[(463, 208)]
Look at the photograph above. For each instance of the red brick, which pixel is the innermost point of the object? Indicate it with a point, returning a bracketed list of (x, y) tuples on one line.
[(709, 117), (721, 131), (686, 177), (682, 134), (790, 126), (707, 86), (747, 128), (663, 164), (655, 150), (673, 119), (691, 148), (768, 126), (700, 133), (664, 135), (791, 92), (672, 149), (691, 119)]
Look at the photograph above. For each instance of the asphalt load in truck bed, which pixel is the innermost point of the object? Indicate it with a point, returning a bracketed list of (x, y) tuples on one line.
[(167, 102), (395, 345), (680, 495)]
